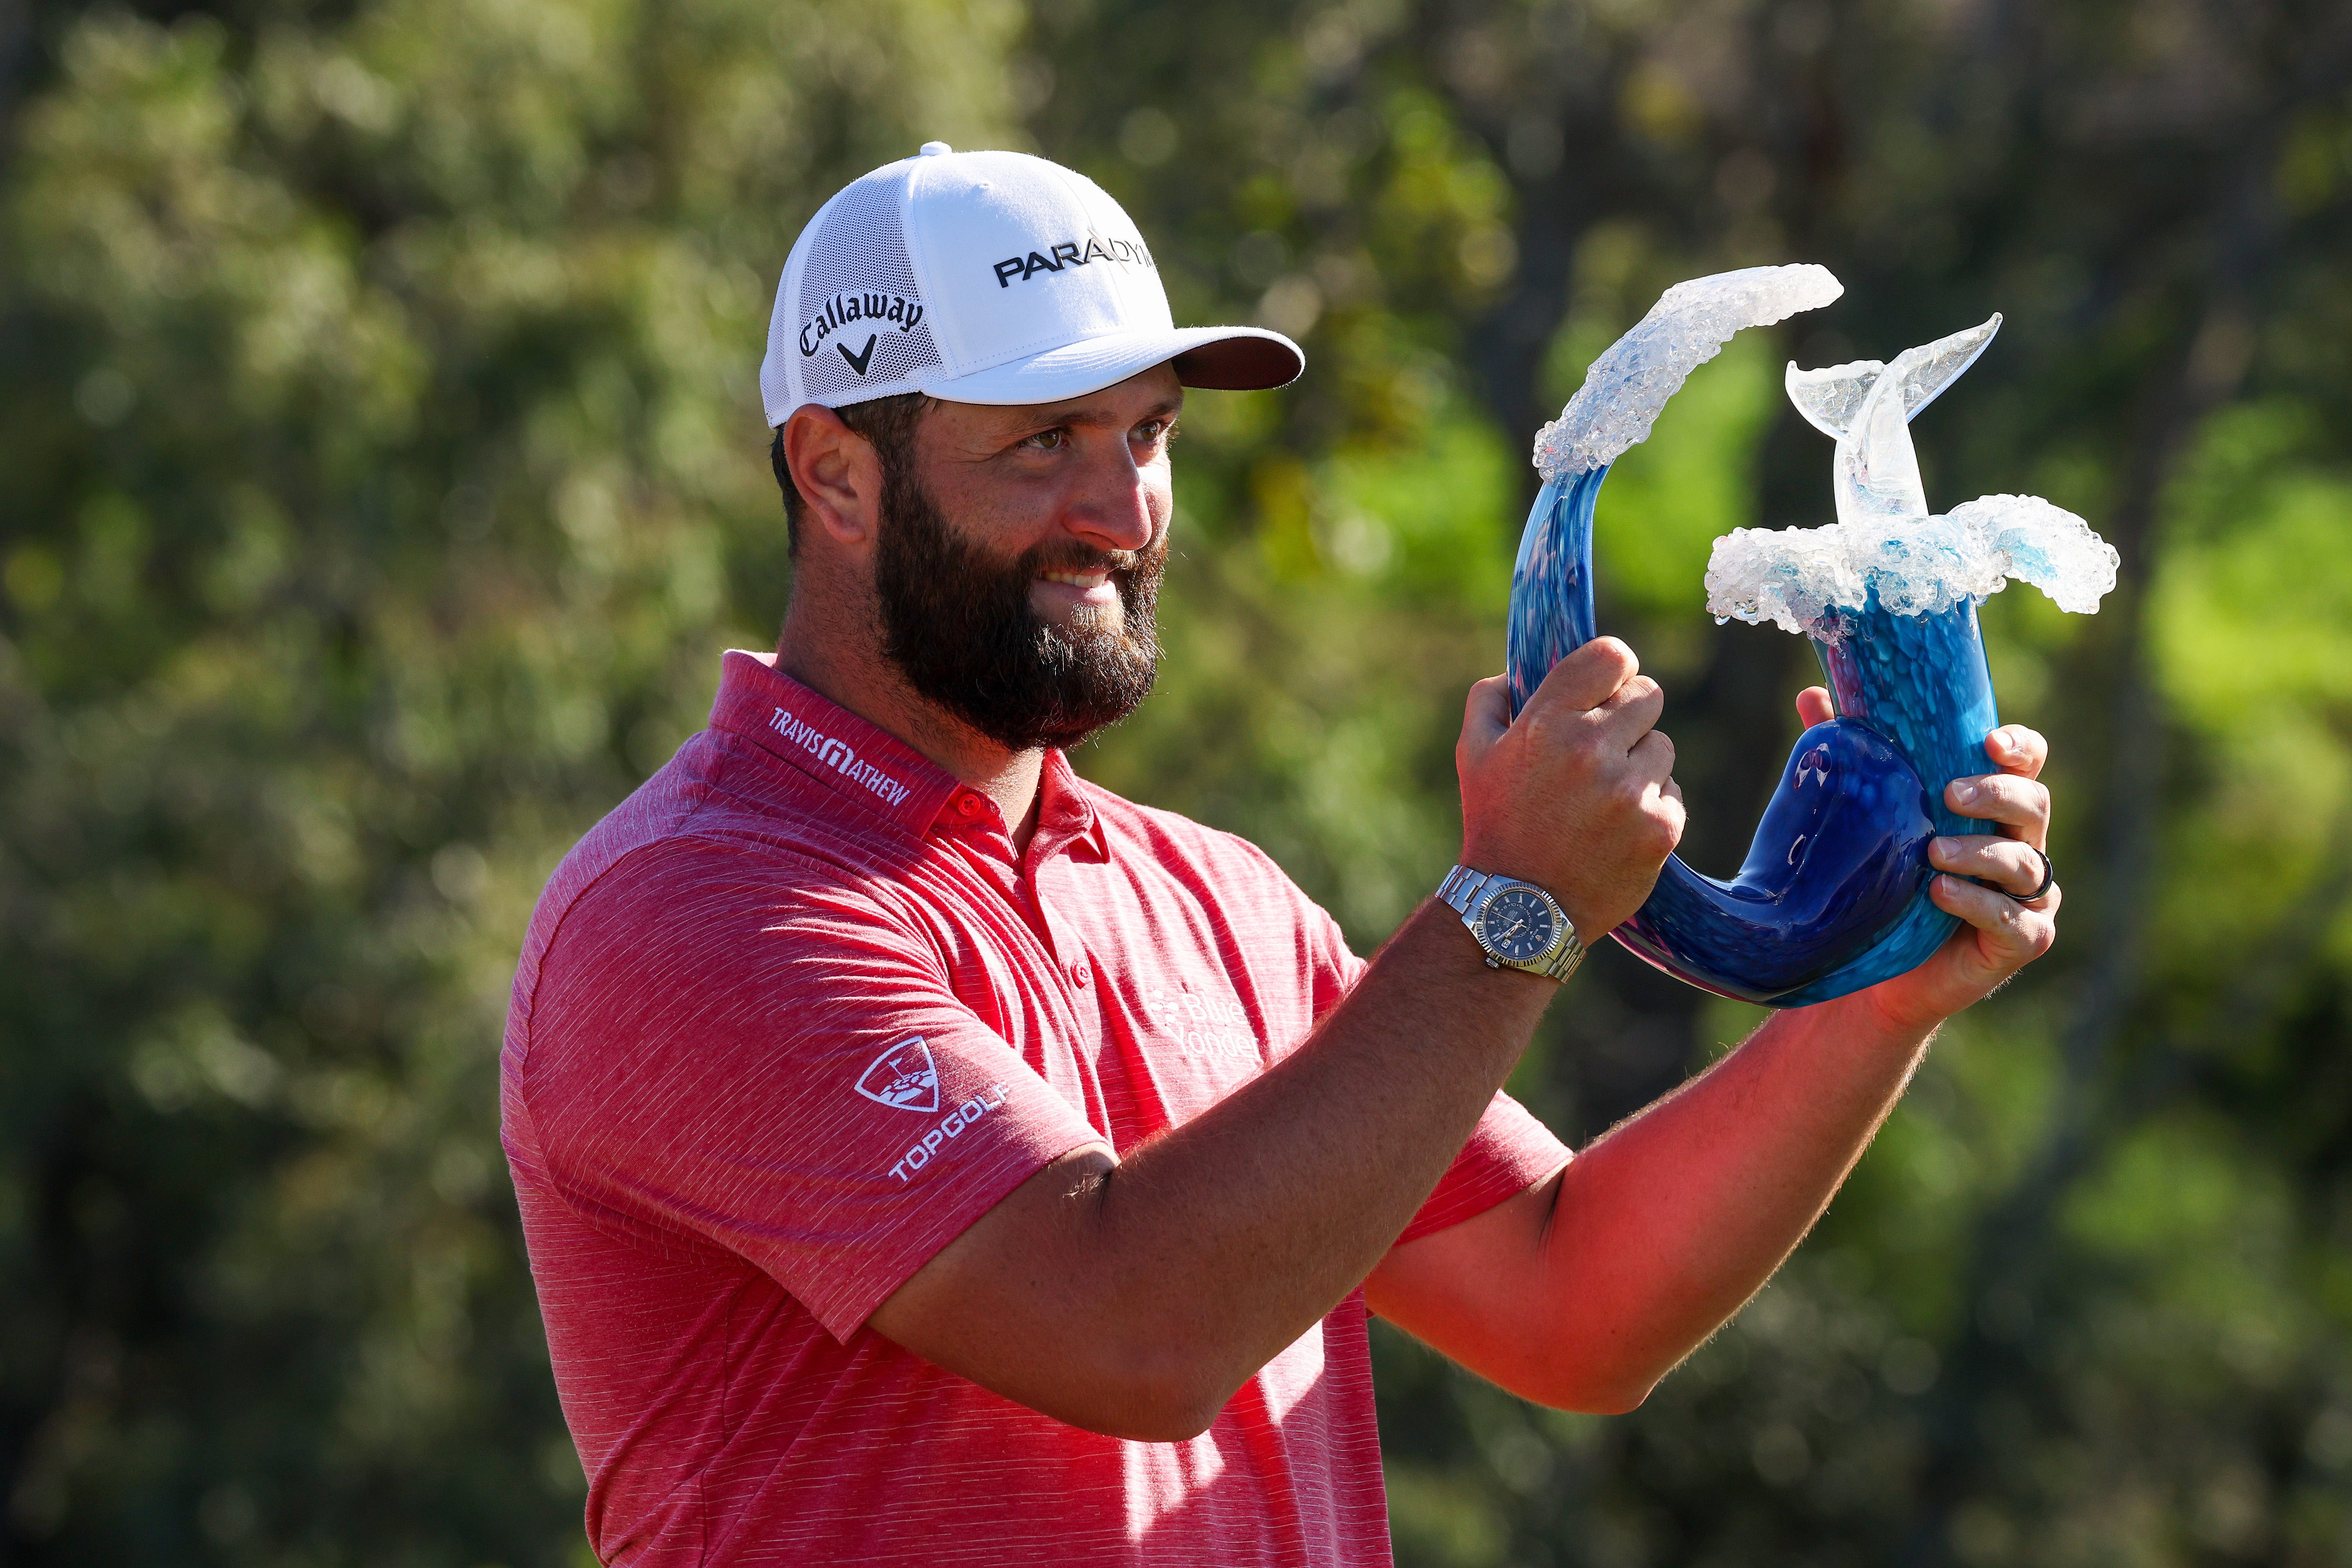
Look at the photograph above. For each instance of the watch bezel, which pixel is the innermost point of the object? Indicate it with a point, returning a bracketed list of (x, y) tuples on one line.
[(1472, 893), (1495, 903)]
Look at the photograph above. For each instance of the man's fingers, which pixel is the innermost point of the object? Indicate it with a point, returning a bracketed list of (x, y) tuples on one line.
[(1587, 678), (2014, 749), (2014, 934), (1813, 706), (1577, 794), (2021, 803), (1600, 683), (1653, 757), (1632, 710), (2011, 865)]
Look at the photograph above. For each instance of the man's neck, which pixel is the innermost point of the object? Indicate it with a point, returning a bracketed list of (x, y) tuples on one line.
[(850, 671)]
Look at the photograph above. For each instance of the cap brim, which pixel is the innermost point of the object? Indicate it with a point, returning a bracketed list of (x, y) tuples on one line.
[(1222, 359)]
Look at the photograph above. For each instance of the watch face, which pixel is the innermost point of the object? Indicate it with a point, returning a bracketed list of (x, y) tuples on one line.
[(1517, 924)]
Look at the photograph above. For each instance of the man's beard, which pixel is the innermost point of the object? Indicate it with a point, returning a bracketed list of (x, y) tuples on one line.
[(958, 623)]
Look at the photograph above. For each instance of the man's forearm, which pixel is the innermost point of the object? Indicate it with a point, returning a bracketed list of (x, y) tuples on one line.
[(1196, 1260), (1283, 1196), (1656, 1234), (1665, 1225)]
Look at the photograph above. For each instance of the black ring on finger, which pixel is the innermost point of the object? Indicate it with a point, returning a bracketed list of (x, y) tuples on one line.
[(2048, 877)]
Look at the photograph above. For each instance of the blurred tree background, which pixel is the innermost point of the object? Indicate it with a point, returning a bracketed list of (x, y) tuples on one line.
[(384, 472)]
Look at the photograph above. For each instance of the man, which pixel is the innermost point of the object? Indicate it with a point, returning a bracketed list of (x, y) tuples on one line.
[(926, 1155)]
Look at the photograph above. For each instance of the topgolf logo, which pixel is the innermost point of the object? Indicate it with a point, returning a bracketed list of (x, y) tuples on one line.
[(904, 1075)]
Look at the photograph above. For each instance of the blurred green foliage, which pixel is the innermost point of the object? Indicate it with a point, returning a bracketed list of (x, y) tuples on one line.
[(377, 399)]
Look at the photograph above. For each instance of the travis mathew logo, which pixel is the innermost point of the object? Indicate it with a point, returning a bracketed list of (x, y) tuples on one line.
[(904, 1075), (837, 755), (845, 310), (1073, 253)]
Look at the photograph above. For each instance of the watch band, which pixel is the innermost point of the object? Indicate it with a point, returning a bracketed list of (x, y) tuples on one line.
[(1460, 889), (1467, 892)]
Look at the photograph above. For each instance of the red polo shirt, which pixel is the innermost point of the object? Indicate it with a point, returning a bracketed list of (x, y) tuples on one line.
[(787, 1022)]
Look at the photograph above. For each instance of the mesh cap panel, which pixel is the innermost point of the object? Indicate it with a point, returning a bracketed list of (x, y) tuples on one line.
[(862, 323)]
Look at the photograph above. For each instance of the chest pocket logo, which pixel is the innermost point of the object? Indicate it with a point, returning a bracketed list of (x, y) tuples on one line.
[(1202, 1024), (904, 1076)]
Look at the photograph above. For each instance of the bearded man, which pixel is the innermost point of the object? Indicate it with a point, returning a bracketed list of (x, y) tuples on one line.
[(928, 1156)]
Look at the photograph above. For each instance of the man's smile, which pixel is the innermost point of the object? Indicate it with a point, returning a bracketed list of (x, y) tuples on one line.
[(1057, 595)]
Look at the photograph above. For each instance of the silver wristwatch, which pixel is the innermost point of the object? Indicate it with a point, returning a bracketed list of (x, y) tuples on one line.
[(1517, 925)]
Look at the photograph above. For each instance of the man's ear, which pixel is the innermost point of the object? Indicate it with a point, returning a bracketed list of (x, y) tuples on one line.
[(837, 472)]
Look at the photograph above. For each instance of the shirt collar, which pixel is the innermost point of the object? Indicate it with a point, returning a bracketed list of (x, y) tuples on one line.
[(864, 765), (873, 768), (1066, 812)]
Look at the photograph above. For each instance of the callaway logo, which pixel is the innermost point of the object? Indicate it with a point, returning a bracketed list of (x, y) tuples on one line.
[(889, 310), (905, 1076), (837, 755), (1072, 252)]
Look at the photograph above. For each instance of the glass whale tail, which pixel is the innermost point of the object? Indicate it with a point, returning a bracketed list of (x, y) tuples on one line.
[(1833, 894), (1831, 897)]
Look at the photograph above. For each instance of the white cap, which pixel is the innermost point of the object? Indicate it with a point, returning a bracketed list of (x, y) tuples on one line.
[(985, 278)]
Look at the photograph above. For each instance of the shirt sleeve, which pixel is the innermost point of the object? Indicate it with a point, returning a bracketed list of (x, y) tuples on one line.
[(1508, 1151), (727, 1048)]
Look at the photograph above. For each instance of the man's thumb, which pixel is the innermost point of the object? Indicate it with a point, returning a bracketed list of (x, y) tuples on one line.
[(1485, 715)]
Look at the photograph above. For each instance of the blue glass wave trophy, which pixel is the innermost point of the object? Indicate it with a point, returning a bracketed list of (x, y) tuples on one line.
[(1833, 894)]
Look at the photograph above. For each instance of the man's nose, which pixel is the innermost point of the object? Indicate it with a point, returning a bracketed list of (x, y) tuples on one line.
[(1112, 504)]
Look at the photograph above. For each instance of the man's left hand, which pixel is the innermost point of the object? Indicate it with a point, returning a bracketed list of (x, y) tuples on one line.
[(2001, 933), (1582, 1290)]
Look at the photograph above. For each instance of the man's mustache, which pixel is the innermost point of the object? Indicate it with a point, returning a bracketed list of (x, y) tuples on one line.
[(1071, 556)]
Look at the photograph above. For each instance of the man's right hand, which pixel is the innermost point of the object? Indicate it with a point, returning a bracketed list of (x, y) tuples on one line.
[(1133, 1295), (1576, 794)]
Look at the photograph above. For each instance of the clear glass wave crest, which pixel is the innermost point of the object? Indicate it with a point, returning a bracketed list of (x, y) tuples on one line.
[(1833, 894)]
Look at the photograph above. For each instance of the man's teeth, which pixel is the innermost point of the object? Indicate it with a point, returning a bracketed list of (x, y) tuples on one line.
[(1082, 580)]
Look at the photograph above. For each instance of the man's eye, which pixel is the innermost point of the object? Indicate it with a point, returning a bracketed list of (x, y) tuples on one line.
[(1049, 440), (1156, 430)]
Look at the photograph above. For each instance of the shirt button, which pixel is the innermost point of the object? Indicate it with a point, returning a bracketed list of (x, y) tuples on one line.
[(968, 804), (1081, 973)]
